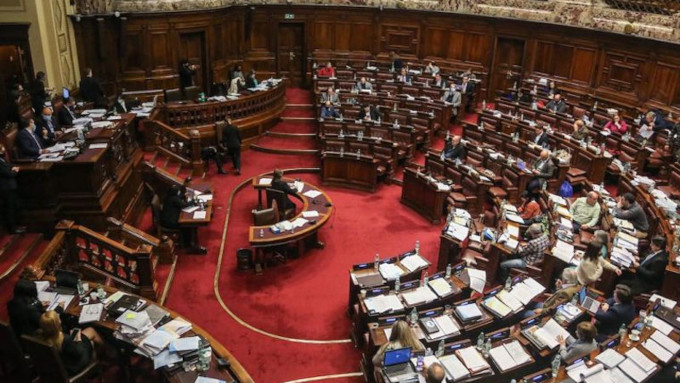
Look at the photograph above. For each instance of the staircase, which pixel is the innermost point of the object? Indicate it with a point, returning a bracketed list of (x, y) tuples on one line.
[(295, 134)]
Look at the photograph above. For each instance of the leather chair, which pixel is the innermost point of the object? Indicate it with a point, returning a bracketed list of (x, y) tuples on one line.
[(508, 189), (172, 95), (672, 188), (268, 216), (467, 198), (192, 92), (47, 363), (403, 141), (436, 169), (386, 161), (279, 197), (382, 133), (13, 362), (156, 208), (456, 176)]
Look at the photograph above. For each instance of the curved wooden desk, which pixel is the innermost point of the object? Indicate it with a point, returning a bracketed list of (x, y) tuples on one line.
[(235, 372), (308, 233)]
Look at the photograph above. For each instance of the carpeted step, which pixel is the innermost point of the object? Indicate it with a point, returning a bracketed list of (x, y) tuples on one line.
[(298, 112), (298, 96), (303, 143), (289, 135), (285, 127), (299, 120)]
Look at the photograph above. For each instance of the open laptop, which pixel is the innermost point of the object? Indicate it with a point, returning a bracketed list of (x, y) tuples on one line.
[(397, 365), (591, 304), (66, 282)]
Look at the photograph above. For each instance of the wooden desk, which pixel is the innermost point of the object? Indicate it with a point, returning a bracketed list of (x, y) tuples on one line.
[(301, 237), (187, 221), (423, 196), (235, 371), (349, 170)]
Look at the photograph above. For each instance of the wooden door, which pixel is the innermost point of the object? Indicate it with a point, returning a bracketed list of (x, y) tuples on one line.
[(192, 48), (508, 64), (291, 53)]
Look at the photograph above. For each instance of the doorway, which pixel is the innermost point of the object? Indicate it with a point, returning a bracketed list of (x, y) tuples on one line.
[(291, 55), (508, 64), (192, 48)]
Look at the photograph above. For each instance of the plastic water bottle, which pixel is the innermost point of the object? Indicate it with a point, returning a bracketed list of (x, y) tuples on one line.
[(426, 279), (440, 349), (487, 346), (480, 341), (342, 151), (420, 364), (79, 287), (448, 271), (101, 294), (397, 284), (414, 317), (376, 263), (261, 233), (417, 247), (483, 104), (508, 284), (574, 300), (204, 356), (556, 365), (622, 332)]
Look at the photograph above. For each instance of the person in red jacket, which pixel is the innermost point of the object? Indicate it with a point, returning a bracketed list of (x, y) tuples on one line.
[(327, 71), (616, 125)]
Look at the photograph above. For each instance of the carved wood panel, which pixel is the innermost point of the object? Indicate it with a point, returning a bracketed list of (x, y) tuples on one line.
[(402, 39)]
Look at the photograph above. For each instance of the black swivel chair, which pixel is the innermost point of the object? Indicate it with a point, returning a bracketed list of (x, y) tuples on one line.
[(13, 363), (49, 367), (280, 198)]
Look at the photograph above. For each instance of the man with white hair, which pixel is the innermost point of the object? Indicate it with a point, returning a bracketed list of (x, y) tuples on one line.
[(566, 287), (530, 254)]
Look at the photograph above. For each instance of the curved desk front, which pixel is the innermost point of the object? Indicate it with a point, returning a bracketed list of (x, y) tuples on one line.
[(262, 237)]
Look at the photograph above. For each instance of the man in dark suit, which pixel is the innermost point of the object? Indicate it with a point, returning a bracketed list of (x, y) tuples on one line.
[(618, 310), (649, 272), (557, 104), (542, 137), (251, 80), (397, 64), (455, 150), (231, 140), (39, 94), (439, 82), (369, 113), (543, 169), (91, 90), (27, 142), (281, 185), (467, 88), (8, 193), (46, 127), (67, 113), (186, 74), (173, 203)]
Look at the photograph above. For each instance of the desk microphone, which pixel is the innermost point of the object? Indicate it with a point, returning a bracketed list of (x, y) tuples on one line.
[(328, 204)]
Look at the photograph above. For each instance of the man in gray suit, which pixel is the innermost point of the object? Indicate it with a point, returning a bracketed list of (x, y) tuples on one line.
[(331, 96), (453, 96), (364, 85)]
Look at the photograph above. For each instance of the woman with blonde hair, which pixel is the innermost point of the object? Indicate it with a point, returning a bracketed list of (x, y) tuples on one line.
[(401, 336), (76, 349)]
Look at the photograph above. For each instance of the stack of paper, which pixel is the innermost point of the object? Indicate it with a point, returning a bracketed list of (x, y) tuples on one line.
[(666, 342), (610, 358), (618, 376), (447, 326), (383, 303), (455, 369), (622, 256), (557, 199), (477, 279), (135, 320), (510, 301), (390, 271), (563, 212), (657, 350), (265, 181), (184, 344), (522, 293), (177, 325), (549, 332), (497, 307), (90, 313), (418, 296), (440, 286), (157, 341), (666, 302), (311, 193), (641, 360), (661, 326), (569, 311), (510, 355), (457, 231), (630, 368), (413, 262), (468, 312), (472, 359), (580, 371), (563, 250)]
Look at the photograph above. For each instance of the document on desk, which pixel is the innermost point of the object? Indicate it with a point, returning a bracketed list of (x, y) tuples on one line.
[(468, 312), (657, 350), (661, 326), (517, 352), (472, 359), (265, 181), (157, 341), (499, 308), (563, 212), (563, 250), (458, 231), (502, 358), (618, 376), (200, 214), (203, 379), (165, 358), (454, 368), (509, 300), (184, 344), (299, 222), (610, 358), (312, 193), (50, 157), (390, 271), (101, 145), (190, 209), (41, 285), (177, 325), (641, 360), (666, 342), (205, 197), (522, 293), (310, 214), (535, 287), (597, 374), (566, 222), (549, 332), (135, 320), (383, 303), (418, 295), (61, 298), (90, 313), (299, 186), (440, 286), (514, 218), (633, 370), (447, 325), (414, 262), (513, 230), (666, 302), (477, 279), (557, 199)]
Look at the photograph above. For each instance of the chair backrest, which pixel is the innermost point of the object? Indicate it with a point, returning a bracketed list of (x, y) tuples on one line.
[(10, 350), (276, 198), (156, 211), (46, 361), (192, 92), (172, 95), (266, 216)]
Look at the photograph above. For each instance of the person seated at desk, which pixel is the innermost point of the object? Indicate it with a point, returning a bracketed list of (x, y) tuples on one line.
[(585, 211), (557, 105), (669, 373), (91, 90), (580, 130), (530, 254), (25, 309), (363, 84), (592, 265), (326, 71), (331, 96), (402, 336), (238, 73), (28, 144), (551, 89), (279, 184), (173, 203), (432, 68), (439, 82), (328, 111), (565, 288), (585, 342), (468, 89), (9, 199), (542, 137), (616, 125), (251, 80), (627, 208), (123, 106), (650, 272), (453, 96), (404, 76), (434, 373), (67, 113), (369, 113), (543, 169), (616, 311), (454, 149), (529, 209), (46, 127), (76, 349), (468, 73), (236, 84), (397, 64)]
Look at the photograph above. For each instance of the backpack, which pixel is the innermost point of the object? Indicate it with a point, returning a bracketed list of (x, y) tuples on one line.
[(566, 190)]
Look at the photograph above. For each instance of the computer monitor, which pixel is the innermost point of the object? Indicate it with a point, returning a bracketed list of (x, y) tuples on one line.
[(398, 356), (65, 93), (65, 278)]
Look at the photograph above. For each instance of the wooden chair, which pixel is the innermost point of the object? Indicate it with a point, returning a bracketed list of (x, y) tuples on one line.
[(268, 216), (47, 363), (279, 197), (156, 208), (13, 363), (172, 95)]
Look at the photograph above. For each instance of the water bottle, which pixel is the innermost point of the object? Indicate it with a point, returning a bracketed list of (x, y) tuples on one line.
[(426, 279), (261, 233), (480, 341), (376, 264), (414, 317), (420, 364), (204, 356), (358, 154), (622, 332), (574, 300), (556, 365), (440, 349), (648, 321), (508, 284), (448, 271), (397, 284), (487, 346), (342, 151), (483, 104), (79, 287), (101, 294), (417, 247)]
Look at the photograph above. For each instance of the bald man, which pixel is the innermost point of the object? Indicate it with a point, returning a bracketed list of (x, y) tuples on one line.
[(585, 211), (435, 373), (46, 127), (542, 169), (455, 150)]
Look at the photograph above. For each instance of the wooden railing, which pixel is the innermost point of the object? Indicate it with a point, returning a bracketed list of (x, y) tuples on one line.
[(101, 259), (174, 143)]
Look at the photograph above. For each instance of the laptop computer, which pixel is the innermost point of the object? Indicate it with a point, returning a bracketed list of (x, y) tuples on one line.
[(397, 365), (588, 302), (66, 282)]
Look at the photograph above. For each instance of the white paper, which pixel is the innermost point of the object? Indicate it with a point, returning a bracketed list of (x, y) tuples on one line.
[(498, 307), (447, 325), (203, 379), (265, 181), (632, 370), (383, 303), (90, 313), (473, 359), (641, 360), (413, 262), (667, 343), (299, 186), (310, 214), (41, 285), (190, 209), (440, 286), (165, 358), (185, 344), (312, 193), (517, 352), (468, 311), (418, 295), (205, 197), (101, 145), (390, 271), (549, 332), (662, 326), (666, 302), (610, 358), (657, 350), (454, 368), (502, 358), (510, 301), (200, 214)]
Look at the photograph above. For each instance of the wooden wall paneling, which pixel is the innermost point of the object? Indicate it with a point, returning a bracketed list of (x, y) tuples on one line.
[(562, 58), (664, 82), (456, 46), (543, 57), (400, 38), (477, 47), (434, 42), (508, 57), (359, 36), (583, 65), (323, 35)]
